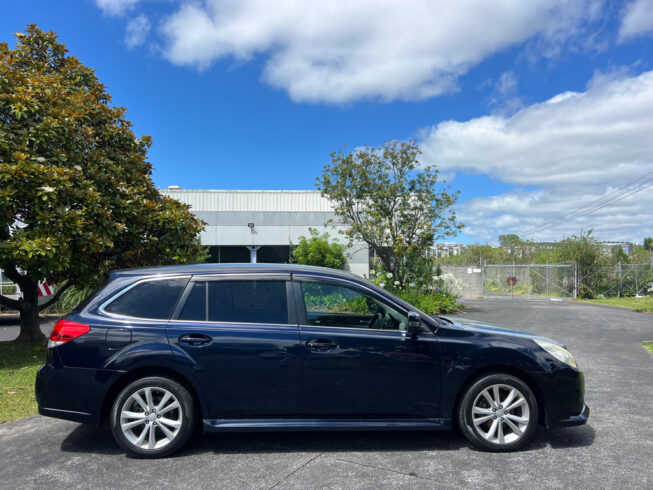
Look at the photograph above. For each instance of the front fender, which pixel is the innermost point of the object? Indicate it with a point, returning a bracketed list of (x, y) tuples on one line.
[(463, 360)]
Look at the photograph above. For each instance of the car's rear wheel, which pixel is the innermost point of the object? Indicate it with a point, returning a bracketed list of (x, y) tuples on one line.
[(498, 413), (152, 417)]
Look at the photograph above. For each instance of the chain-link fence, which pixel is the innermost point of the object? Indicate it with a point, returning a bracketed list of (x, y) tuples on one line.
[(530, 281), (621, 280), (553, 280)]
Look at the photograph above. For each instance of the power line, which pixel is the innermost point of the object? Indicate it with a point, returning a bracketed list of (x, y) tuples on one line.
[(589, 204), (597, 203)]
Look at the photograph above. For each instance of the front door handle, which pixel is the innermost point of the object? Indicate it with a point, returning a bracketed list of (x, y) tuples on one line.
[(195, 339), (321, 345)]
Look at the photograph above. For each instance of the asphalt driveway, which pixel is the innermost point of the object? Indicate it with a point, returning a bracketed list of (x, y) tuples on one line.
[(9, 326), (615, 450)]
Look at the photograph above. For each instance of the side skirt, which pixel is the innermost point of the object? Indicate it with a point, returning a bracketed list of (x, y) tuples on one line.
[(256, 425)]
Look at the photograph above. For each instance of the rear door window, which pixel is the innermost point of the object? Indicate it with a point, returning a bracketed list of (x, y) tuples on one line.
[(248, 301), (149, 299)]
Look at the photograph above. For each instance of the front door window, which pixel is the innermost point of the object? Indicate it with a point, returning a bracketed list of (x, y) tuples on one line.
[(340, 306)]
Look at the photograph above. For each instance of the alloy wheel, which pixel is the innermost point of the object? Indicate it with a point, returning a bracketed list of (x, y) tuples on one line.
[(500, 414), (151, 418)]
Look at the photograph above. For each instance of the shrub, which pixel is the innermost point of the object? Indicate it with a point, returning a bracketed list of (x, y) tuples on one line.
[(432, 303), (586, 292), (320, 251), (71, 298), (439, 297)]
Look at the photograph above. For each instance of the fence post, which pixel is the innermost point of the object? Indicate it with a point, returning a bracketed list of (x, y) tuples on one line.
[(575, 279), (619, 287), (484, 278), (512, 286)]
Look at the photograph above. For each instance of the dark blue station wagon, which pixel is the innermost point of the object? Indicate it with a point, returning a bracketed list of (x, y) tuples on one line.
[(161, 352)]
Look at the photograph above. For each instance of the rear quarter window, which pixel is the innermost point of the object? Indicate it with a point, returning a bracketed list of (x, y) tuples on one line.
[(149, 299)]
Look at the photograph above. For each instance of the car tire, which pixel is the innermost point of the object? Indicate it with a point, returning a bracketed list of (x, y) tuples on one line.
[(499, 413), (152, 417)]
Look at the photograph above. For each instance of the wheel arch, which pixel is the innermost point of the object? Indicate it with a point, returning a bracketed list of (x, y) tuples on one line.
[(143, 372), (503, 369)]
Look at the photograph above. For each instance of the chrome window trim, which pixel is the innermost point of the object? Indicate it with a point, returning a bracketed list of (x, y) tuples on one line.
[(101, 308), (356, 331), (292, 325)]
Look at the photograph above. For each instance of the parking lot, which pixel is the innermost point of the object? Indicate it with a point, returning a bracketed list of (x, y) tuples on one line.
[(615, 450)]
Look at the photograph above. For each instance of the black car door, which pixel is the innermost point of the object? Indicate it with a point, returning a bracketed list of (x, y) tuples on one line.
[(240, 335), (358, 360)]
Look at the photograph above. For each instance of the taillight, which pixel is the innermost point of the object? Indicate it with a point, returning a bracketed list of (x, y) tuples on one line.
[(65, 331)]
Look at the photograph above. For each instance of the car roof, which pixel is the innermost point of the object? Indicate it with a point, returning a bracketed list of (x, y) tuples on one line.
[(198, 269)]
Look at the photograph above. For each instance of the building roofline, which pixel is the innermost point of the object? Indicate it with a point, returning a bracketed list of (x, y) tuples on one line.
[(240, 191)]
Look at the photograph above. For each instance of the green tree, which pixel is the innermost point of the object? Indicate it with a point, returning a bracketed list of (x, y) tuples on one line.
[(477, 255), (390, 201), (648, 243), (587, 252), (510, 242), (320, 250), (76, 195)]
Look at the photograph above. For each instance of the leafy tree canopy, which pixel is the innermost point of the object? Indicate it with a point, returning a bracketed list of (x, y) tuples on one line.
[(648, 242), (390, 201), (76, 195)]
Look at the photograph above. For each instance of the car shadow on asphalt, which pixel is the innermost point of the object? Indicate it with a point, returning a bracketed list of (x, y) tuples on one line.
[(98, 440)]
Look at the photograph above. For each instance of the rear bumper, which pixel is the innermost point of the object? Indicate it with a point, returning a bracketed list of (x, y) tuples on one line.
[(83, 417), (75, 394)]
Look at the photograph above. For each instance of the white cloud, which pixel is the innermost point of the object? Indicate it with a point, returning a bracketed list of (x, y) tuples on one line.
[(637, 19), (573, 148), (505, 98), (136, 31), (116, 7), (341, 51)]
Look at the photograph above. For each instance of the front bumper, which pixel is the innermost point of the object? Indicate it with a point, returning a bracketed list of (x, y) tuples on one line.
[(563, 394), (579, 419)]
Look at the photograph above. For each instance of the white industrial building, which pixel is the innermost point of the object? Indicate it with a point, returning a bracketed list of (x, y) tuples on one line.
[(262, 226)]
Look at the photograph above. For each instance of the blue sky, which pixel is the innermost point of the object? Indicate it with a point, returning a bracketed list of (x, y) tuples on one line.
[(255, 95)]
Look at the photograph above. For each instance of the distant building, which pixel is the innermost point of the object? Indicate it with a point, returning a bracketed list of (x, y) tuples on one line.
[(608, 247), (627, 247), (262, 226), (448, 249), (546, 245)]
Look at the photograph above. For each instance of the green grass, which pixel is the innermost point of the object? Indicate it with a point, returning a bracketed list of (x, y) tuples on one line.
[(635, 304), (18, 366), (648, 345)]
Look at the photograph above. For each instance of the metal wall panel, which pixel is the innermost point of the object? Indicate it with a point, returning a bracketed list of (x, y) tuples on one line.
[(279, 217), (242, 200)]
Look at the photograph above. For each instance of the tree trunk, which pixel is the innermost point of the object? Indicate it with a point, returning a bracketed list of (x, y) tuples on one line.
[(30, 325)]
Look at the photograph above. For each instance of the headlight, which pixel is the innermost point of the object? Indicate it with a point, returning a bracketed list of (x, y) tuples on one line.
[(560, 353)]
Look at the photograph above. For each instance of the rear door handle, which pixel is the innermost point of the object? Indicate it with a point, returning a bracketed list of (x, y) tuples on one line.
[(321, 345), (195, 339)]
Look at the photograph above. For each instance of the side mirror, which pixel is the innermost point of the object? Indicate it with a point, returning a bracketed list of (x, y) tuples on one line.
[(414, 323)]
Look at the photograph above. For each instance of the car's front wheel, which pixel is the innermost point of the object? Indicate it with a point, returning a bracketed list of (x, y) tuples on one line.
[(152, 417), (498, 413)]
